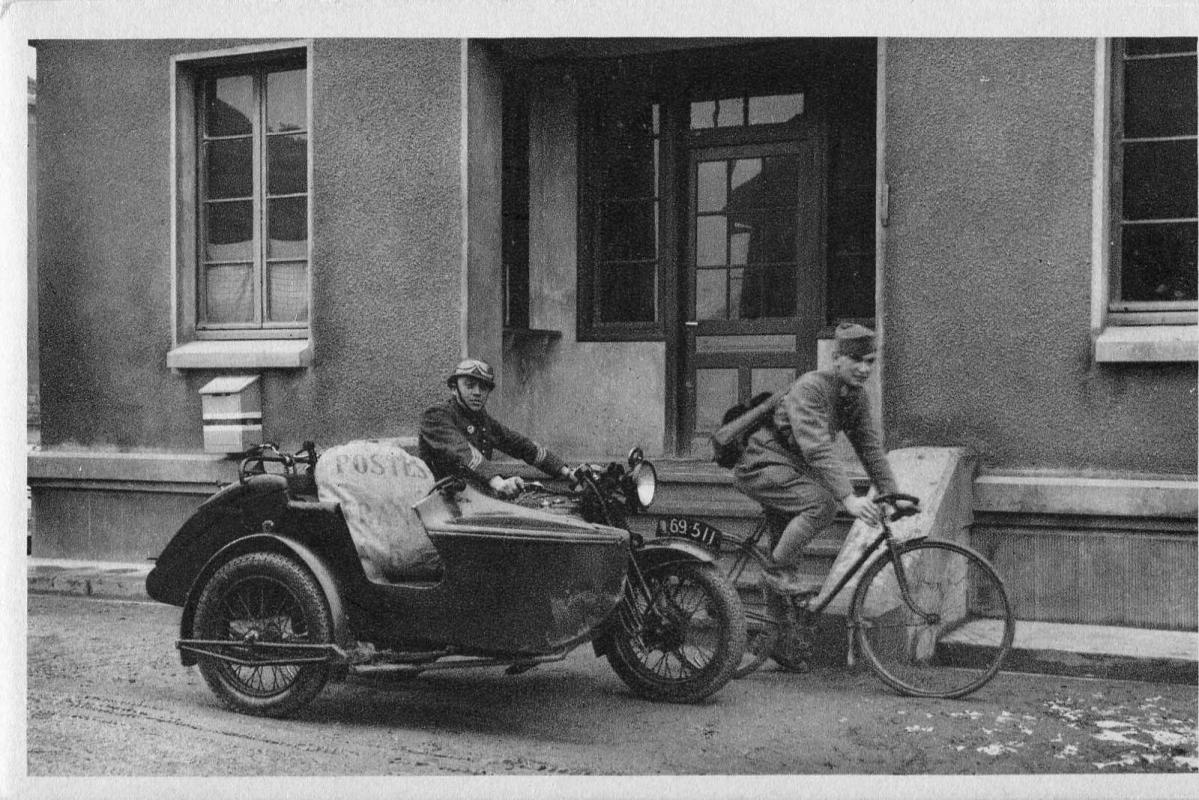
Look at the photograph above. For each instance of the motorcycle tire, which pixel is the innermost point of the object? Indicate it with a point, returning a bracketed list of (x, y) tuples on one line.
[(682, 639), (288, 606)]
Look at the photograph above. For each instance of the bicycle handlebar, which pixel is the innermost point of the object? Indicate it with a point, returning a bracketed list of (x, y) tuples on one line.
[(910, 508)]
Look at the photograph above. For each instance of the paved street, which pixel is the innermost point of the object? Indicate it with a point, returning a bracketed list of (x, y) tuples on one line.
[(107, 696)]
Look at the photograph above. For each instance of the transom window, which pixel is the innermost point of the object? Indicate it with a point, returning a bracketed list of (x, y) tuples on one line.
[(1154, 222), (252, 197), (738, 112)]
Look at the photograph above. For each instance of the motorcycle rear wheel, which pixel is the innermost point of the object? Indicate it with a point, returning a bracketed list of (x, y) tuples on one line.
[(264, 597), (682, 638)]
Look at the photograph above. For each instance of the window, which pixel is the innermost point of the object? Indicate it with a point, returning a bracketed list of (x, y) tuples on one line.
[(514, 203), (620, 209), (1153, 184), (242, 214), (252, 201)]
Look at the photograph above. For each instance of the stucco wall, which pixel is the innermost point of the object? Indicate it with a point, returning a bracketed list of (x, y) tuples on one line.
[(583, 398), (386, 252), (987, 281)]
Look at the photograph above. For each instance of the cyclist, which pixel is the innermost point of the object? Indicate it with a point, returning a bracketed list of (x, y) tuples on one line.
[(791, 465), (458, 437)]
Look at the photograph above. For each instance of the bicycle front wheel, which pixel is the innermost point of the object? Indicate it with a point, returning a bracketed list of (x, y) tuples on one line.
[(949, 635)]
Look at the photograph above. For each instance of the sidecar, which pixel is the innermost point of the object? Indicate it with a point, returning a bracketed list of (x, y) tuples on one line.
[(264, 567)]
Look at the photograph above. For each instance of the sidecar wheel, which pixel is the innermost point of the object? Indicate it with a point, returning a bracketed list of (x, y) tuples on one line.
[(270, 598), (682, 638)]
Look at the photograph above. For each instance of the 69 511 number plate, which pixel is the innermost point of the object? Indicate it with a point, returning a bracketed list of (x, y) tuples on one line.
[(695, 530)]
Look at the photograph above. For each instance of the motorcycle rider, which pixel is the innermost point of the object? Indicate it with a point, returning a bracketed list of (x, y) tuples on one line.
[(458, 437), (791, 463)]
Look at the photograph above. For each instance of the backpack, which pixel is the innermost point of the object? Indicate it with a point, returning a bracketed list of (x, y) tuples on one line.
[(729, 454)]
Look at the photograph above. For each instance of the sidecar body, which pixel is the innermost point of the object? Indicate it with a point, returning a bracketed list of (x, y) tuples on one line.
[(513, 581)]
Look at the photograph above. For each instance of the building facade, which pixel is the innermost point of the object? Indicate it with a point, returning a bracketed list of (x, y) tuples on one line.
[(636, 233)]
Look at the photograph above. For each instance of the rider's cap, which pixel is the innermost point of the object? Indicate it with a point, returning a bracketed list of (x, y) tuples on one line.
[(854, 340), (472, 368)]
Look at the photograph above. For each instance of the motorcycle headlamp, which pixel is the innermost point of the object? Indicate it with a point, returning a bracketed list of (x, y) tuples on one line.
[(645, 482)]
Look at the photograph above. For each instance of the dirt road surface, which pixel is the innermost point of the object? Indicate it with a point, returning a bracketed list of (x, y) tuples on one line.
[(107, 696)]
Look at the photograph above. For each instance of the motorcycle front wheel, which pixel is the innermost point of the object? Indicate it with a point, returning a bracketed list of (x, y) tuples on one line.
[(263, 597), (680, 633)]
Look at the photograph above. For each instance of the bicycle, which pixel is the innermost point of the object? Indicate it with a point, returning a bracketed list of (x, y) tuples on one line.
[(931, 618)]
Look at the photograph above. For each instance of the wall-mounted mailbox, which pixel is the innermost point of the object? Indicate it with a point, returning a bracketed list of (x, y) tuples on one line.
[(232, 411)]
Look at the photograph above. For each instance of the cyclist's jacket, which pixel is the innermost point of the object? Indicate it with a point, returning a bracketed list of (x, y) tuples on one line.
[(456, 441), (804, 433)]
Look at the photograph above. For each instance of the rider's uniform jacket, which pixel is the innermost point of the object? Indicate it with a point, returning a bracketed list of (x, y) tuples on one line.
[(816, 407), (456, 441)]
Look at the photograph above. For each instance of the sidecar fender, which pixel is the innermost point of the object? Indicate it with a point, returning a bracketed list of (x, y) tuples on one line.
[(273, 543)]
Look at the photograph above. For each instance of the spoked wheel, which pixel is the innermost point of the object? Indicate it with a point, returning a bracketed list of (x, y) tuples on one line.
[(680, 635), (952, 637), (743, 565), (263, 597)]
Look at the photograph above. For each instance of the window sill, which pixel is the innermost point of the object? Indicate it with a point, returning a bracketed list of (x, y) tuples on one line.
[(242, 354), (524, 334), (1147, 343)]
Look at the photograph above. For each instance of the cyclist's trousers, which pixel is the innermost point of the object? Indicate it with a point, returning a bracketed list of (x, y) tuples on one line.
[(810, 504)]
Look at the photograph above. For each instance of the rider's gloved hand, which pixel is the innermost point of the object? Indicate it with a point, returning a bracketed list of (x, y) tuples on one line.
[(506, 487), (862, 508)]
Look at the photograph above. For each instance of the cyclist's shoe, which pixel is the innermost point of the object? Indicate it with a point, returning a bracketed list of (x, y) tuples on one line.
[(793, 649), (787, 583)]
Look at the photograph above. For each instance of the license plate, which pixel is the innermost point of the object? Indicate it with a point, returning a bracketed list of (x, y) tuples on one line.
[(693, 529)]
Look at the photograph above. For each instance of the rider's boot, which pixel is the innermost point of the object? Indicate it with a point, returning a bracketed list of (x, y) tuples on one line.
[(787, 594)]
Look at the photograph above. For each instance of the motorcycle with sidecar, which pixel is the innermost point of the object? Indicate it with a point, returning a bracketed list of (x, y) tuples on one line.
[(276, 603)]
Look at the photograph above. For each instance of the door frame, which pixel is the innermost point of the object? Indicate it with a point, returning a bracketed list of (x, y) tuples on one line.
[(805, 143)]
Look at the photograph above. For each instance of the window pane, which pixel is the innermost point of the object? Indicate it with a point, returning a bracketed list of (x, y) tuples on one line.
[(1163, 44), (773, 109), (770, 235), (768, 291), (229, 293), (746, 190), (765, 183), (286, 101), (850, 286), (287, 227), (1159, 180), (632, 177), (711, 298), (736, 293), (703, 115), (228, 231), (229, 105), (711, 193), (1159, 97), (627, 120), (730, 112), (710, 241), (739, 245), (628, 231), (228, 168), (1158, 262), (287, 164), (627, 292), (287, 292), (715, 391), (770, 379)]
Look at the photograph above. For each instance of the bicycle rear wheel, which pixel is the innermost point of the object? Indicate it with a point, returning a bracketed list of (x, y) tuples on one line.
[(952, 634), (743, 564)]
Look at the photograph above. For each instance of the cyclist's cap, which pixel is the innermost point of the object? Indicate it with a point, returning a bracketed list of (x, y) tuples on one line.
[(855, 340)]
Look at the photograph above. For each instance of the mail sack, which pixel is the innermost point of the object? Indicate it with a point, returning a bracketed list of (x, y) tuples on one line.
[(376, 483)]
